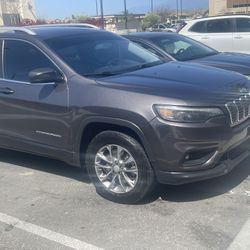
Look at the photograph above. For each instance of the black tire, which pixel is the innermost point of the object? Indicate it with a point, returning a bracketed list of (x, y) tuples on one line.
[(146, 179)]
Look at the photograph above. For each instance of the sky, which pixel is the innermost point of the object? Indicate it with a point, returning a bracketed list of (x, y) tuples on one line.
[(65, 8)]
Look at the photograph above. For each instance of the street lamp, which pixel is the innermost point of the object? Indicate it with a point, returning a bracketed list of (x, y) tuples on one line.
[(152, 6), (125, 14), (96, 6), (181, 8), (177, 9), (102, 15)]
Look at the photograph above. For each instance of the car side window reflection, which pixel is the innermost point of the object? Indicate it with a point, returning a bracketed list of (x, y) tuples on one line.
[(20, 58), (149, 48)]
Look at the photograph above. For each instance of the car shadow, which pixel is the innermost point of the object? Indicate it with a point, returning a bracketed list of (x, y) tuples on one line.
[(183, 193), (43, 164), (206, 189)]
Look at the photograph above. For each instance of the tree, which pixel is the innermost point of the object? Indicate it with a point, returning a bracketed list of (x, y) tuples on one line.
[(150, 20)]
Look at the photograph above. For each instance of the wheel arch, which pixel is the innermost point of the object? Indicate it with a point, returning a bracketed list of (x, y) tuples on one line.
[(95, 125)]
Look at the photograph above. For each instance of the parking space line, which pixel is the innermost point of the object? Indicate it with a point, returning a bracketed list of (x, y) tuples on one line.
[(242, 240), (46, 233)]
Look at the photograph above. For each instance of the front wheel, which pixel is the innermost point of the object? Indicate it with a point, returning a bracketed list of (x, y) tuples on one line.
[(119, 167)]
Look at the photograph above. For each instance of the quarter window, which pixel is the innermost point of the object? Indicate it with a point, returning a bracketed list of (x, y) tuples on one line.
[(219, 26), (243, 24), (20, 58), (199, 27)]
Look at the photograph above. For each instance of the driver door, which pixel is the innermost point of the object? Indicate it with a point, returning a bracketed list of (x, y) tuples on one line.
[(32, 116)]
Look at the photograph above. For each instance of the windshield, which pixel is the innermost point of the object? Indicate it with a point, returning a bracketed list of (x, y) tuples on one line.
[(182, 48), (101, 54)]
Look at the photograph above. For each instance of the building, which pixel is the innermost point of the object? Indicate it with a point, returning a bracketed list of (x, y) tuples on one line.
[(220, 7), (13, 11)]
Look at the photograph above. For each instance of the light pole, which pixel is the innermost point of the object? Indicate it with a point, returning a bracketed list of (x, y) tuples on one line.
[(152, 6), (96, 6), (181, 9), (247, 7), (102, 15), (125, 14), (177, 9)]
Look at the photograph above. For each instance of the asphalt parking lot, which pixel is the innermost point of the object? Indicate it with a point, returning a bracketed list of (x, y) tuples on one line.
[(46, 204)]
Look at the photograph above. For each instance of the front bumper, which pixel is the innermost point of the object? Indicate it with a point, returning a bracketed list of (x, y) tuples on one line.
[(229, 147), (223, 168)]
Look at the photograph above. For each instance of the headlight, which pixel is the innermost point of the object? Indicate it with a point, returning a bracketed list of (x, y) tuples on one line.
[(186, 114), (248, 77)]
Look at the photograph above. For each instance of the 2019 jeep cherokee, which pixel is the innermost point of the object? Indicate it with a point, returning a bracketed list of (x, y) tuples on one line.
[(89, 97)]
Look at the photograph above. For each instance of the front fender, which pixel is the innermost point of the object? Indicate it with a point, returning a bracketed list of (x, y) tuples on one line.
[(77, 136)]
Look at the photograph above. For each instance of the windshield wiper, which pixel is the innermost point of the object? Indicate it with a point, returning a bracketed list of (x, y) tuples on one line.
[(105, 73), (133, 68)]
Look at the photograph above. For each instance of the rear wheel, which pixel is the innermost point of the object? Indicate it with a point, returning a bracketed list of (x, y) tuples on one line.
[(119, 168)]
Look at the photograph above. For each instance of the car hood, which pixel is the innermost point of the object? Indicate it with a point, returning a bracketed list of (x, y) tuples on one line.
[(184, 81), (230, 61)]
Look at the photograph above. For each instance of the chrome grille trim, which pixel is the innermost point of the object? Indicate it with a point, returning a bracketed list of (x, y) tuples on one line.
[(239, 109)]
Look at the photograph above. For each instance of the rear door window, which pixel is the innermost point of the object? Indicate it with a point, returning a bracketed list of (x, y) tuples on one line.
[(220, 26), (243, 24)]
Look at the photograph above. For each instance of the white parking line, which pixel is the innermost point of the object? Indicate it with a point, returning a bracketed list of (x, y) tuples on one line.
[(242, 240), (47, 234)]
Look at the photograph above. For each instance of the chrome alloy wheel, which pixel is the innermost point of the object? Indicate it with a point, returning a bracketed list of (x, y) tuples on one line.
[(116, 169)]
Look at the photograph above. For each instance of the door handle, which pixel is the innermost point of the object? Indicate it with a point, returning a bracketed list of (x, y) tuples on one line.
[(205, 37), (6, 91), (238, 37)]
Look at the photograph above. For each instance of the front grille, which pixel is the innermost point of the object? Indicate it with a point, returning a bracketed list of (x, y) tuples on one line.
[(239, 109)]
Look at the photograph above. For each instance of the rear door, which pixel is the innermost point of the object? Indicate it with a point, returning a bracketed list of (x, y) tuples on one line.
[(31, 115), (241, 37), (219, 34)]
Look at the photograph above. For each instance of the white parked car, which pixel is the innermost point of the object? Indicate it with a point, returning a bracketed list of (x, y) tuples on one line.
[(223, 33), (161, 27)]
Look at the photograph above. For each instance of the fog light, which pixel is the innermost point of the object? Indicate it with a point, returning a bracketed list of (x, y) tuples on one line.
[(197, 157)]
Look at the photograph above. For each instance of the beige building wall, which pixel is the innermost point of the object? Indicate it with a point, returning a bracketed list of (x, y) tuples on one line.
[(217, 7), (220, 7), (25, 8)]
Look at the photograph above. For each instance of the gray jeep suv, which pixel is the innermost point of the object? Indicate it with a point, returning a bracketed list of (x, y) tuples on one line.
[(94, 99)]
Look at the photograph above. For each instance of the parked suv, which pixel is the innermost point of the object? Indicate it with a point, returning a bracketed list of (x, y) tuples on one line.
[(96, 100), (161, 27), (223, 33)]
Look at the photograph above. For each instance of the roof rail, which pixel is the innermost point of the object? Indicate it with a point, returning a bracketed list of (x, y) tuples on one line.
[(16, 29), (78, 25)]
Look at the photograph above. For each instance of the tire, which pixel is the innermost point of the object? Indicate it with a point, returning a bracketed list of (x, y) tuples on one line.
[(142, 177)]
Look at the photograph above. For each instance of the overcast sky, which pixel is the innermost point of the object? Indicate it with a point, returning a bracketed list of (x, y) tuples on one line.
[(65, 8)]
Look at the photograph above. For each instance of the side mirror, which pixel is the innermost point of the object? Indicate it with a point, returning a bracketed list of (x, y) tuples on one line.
[(45, 75)]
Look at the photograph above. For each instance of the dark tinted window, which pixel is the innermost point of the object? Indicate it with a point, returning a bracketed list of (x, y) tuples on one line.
[(99, 52), (199, 27), (219, 26), (20, 58), (243, 24)]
